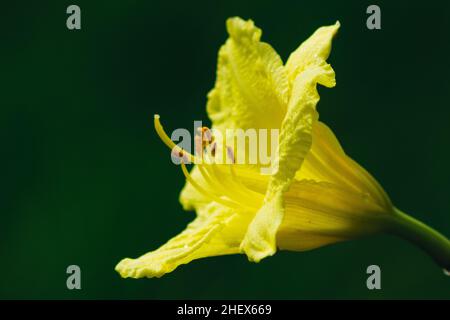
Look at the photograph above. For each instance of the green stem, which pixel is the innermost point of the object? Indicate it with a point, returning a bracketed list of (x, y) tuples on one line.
[(425, 237)]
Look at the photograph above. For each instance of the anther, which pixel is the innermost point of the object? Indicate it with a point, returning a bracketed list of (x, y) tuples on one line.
[(213, 149), (179, 153), (230, 154), (206, 136)]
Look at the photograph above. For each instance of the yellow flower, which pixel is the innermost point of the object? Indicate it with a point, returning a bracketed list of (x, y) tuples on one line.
[(317, 195)]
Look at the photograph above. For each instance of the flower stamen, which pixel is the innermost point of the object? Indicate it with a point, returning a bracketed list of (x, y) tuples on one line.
[(225, 202), (165, 138), (220, 187)]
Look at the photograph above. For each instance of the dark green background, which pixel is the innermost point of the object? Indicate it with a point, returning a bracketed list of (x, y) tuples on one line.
[(86, 181)]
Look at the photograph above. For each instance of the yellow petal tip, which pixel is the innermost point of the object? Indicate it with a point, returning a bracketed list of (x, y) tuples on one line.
[(239, 29), (134, 268), (256, 255)]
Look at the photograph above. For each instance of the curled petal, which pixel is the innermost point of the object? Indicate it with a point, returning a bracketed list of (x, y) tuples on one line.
[(217, 232), (251, 89), (294, 144), (312, 52)]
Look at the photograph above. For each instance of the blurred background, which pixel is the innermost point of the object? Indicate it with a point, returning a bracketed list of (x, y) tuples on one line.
[(86, 181)]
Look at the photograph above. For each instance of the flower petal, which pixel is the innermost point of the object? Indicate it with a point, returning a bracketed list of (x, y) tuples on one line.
[(294, 144), (251, 89), (327, 161), (312, 52), (320, 213), (215, 232)]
